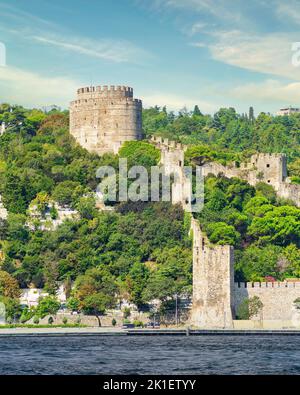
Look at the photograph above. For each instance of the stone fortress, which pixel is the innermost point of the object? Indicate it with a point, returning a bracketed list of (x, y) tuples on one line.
[(103, 118), (268, 168), (216, 297)]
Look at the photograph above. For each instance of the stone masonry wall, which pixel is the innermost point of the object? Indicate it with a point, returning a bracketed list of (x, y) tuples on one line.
[(215, 296), (269, 168), (103, 118), (277, 298), (172, 159), (212, 282)]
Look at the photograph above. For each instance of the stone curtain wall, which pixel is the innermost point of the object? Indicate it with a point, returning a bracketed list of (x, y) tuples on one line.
[(216, 297), (277, 298), (103, 118), (290, 191), (269, 168), (172, 159)]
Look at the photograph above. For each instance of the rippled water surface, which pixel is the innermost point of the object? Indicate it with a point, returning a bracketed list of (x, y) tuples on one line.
[(150, 355)]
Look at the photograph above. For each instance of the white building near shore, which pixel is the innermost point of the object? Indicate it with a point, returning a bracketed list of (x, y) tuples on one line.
[(3, 211), (288, 111), (30, 296)]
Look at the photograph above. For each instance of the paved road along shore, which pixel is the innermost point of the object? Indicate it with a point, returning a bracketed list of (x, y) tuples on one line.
[(61, 331), (107, 331)]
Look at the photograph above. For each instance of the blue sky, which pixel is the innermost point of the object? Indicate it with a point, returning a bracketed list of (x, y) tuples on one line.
[(214, 53)]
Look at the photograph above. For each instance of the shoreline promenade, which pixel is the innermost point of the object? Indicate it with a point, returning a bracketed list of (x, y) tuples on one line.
[(107, 331)]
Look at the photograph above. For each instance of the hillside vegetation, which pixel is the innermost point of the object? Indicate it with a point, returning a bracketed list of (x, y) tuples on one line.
[(140, 251), (228, 136)]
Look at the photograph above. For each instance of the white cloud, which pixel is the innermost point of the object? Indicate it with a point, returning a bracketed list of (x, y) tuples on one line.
[(30, 27), (33, 90), (175, 103), (199, 44), (239, 44), (111, 50), (269, 54), (13, 13), (195, 28), (289, 10), (270, 91), (217, 8)]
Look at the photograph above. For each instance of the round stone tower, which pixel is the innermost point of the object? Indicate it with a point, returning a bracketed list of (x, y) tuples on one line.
[(103, 118)]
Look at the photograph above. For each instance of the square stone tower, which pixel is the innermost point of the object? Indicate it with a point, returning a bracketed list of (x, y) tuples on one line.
[(103, 118), (269, 168), (213, 283)]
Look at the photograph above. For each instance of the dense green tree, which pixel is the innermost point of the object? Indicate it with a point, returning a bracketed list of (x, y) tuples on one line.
[(96, 292), (221, 233), (67, 193), (48, 305), (280, 225), (255, 263), (87, 207), (250, 308), (9, 286), (136, 282), (174, 268), (13, 309), (197, 111), (140, 153)]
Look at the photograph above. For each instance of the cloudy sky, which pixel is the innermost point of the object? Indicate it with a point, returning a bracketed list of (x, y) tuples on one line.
[(172, 52)]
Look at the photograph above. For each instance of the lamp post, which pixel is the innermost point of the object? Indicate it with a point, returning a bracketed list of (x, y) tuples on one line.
[(176, 309)]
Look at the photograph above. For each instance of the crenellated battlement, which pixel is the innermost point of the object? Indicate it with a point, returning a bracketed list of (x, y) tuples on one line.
[(270, 285), (266, 155), (88, 100), (161, 142), (278, 299), (106, 91)]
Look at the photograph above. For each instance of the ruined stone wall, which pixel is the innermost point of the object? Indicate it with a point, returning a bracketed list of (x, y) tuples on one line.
[(290, 191), (278, 298), (268, 168), (218, 169), (103, 118), (172, 159), (172, 153), (212, 282), (216, 298)]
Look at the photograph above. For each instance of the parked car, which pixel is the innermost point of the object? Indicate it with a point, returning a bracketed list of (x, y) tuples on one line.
[(153, 325), (62, 309), (128, 326)]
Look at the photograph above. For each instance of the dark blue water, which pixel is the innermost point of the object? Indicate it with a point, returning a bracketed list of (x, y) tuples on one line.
[(150, 355)]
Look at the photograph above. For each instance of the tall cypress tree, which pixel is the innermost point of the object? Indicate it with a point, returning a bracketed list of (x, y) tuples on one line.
[(251, 115), (197, 111)]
